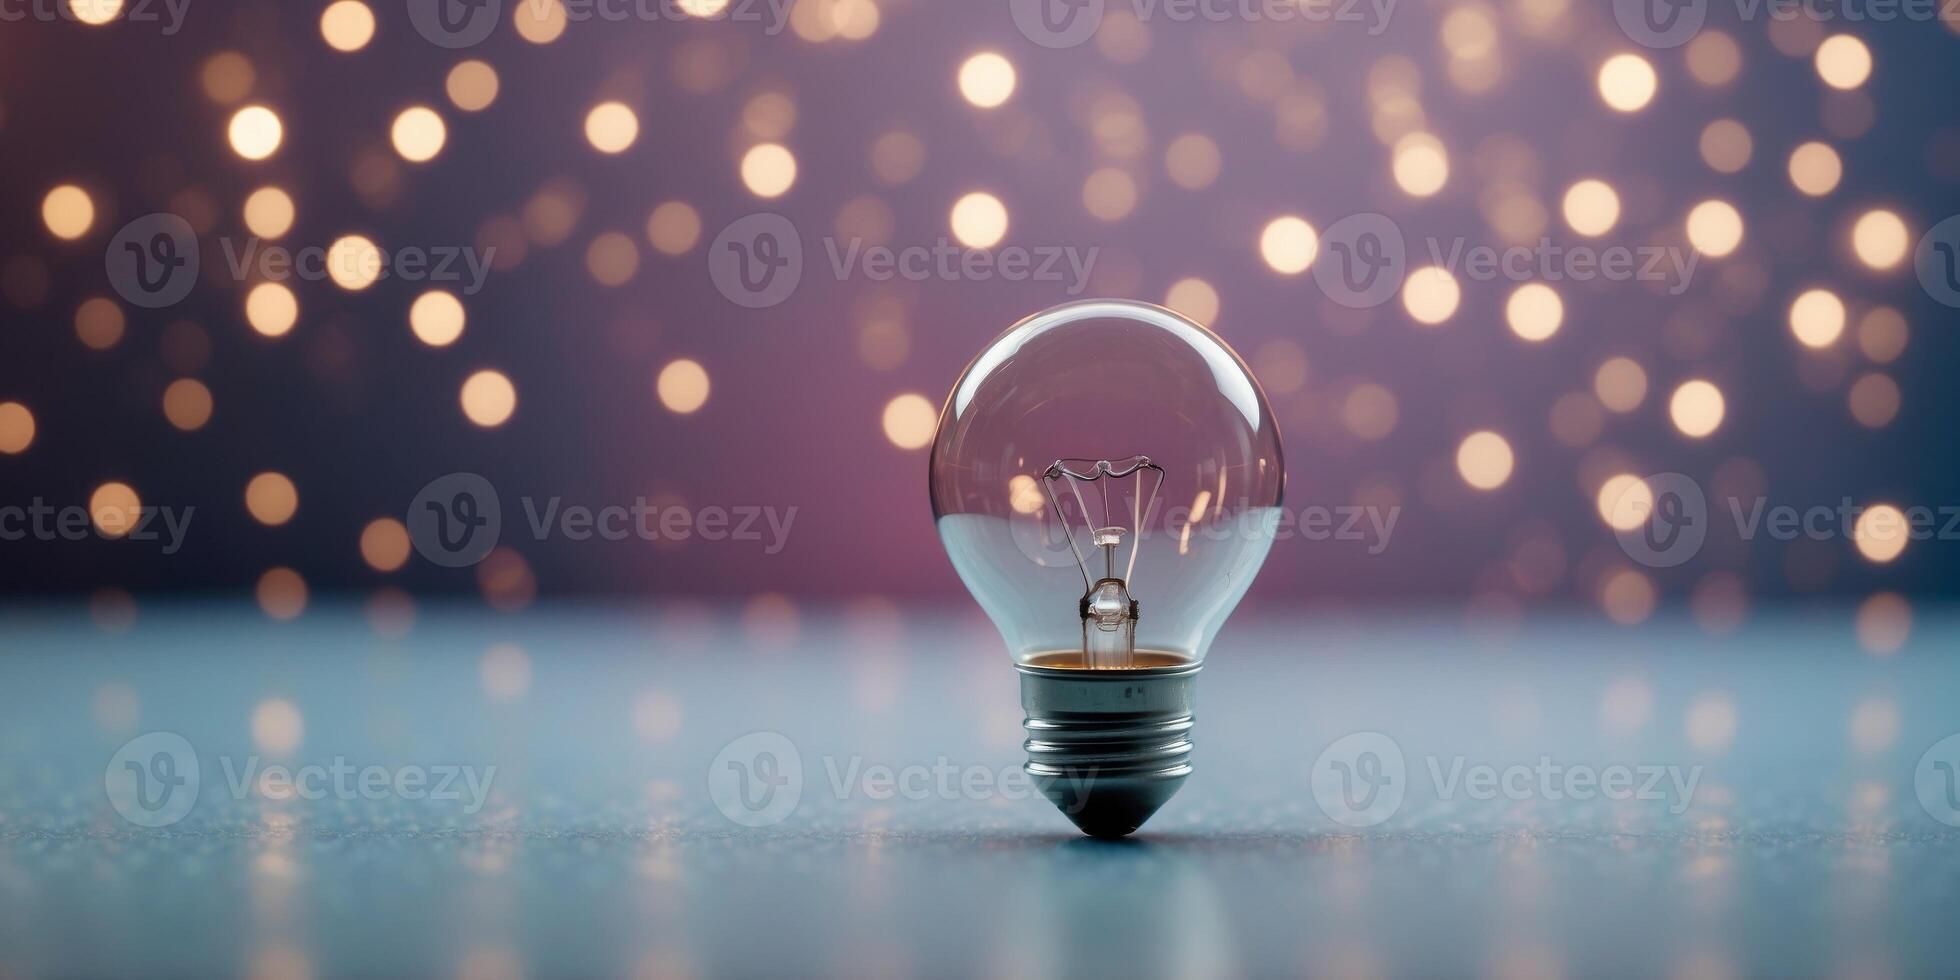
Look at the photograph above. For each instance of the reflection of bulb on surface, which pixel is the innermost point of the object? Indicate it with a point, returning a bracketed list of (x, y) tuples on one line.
[(1107, 478)]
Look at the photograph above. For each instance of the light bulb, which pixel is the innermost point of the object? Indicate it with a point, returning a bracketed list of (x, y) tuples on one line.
[(1107, 479)]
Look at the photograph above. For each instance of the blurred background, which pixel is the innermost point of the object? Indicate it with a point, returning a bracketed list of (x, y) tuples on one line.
[(513, 213)]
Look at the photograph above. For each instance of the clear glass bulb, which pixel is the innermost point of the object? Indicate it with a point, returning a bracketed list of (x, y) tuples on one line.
[(1107, 479)]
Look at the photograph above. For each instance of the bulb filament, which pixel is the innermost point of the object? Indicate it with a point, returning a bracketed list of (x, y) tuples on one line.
[(1106, 495)]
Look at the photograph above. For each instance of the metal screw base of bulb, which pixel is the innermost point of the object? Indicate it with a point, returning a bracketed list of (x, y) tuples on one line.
[(1108, 747)]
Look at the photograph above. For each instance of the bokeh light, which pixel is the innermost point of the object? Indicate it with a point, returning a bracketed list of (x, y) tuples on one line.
[(385, 544), (347, 25), (1726, 146), (1534, 311), (909, 421), (986, 79), (682, 386), (1625, 501), (67, 212), (1697, 408), (673, 227), (1289, 244), (1881, 532), (354, 262), (611, 127), (472, 85), (418, 134), (1627, 82), (1843, 62), (1194, 298), (1484, 460), (1815, 168), (269, 212), (271, 309), (437, 318), (256, 132), (16, 428), (1715, 228), (979, 220), (187, 404), (488, 398), (1591, 207), (271, 498), (768, 170), (1881, 240), (1817, 317), (114, 509), (1421, 165), (1431, 295)]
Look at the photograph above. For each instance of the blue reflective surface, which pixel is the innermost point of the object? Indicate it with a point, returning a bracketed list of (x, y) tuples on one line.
[(598, 740)]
